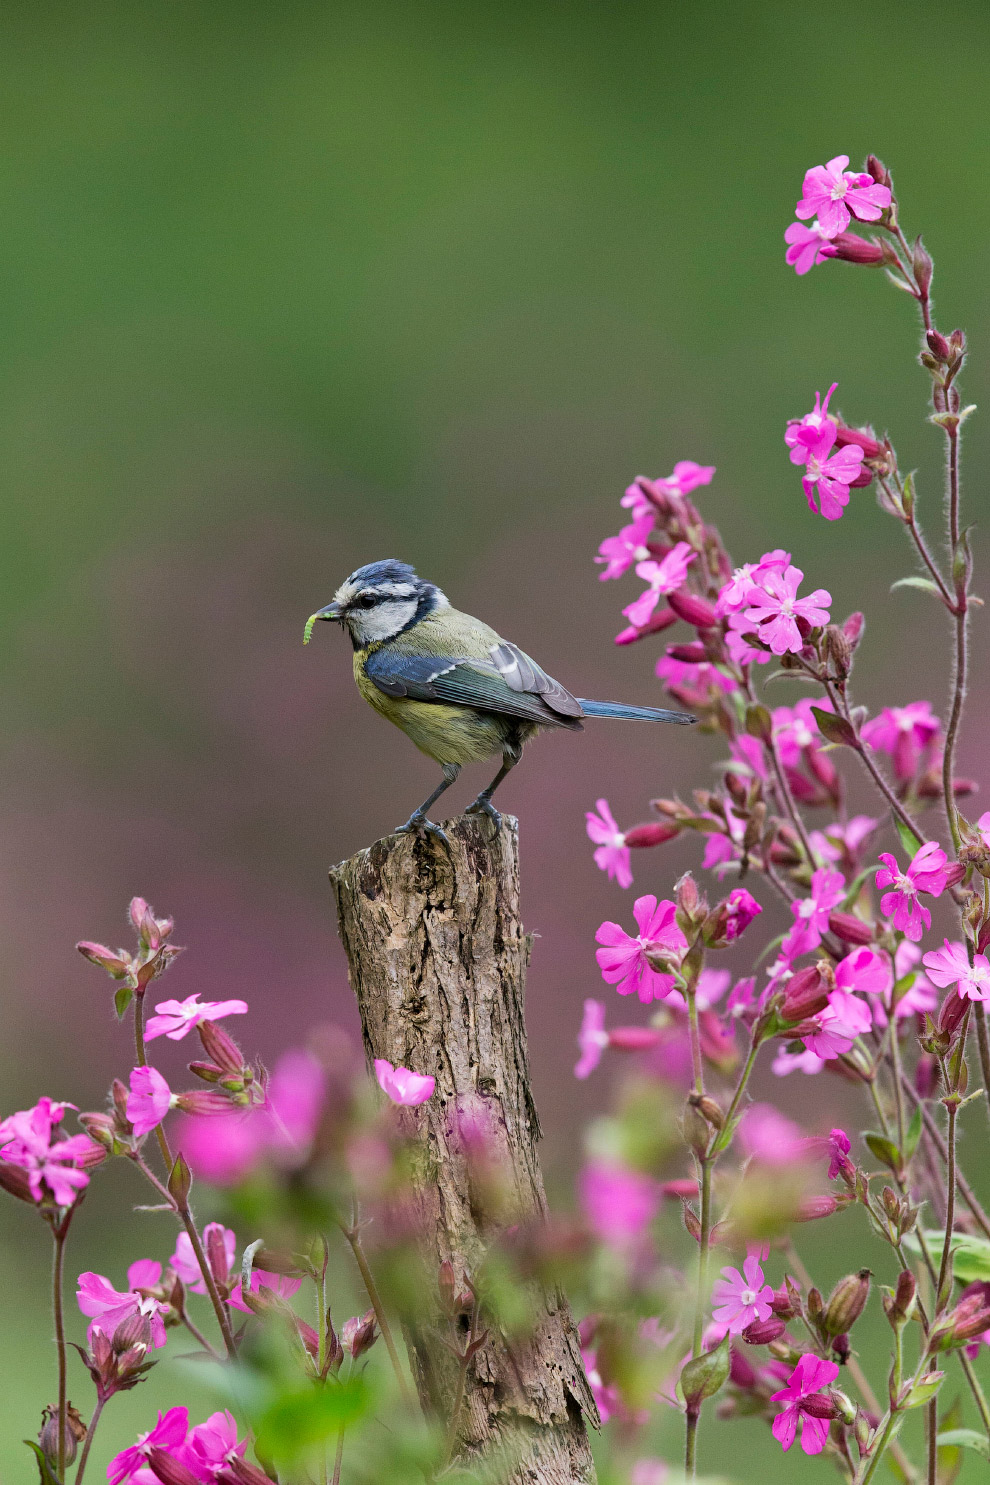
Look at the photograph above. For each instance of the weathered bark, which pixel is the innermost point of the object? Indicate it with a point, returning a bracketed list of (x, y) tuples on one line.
[(437, 960)]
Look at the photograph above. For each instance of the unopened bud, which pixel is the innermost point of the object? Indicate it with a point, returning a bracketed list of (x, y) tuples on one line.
[(742, 1373), (697, 1134), (662, 619), (216, 1252), (841, 1350), (851, 929), (814, 1207), (202, 1101), (688, 897), (695, 610), (359, 1334), (180, 1181), (651, 834), (853, 629), (634, 1038), (951, 1013), (762, 1332), (220, 1047), (709, 1110), (782, 1303), (815, 1305), (99, 1127), (846, 1303), (238, 1471), (970, 1318), (133, 1331), (171, 1471), (15, 1182), (117, 964), (851, 248), (923, 266), (938, 345), (878, 170), (73, 1433), (900, 1306), (805, 994), (819, 1405)]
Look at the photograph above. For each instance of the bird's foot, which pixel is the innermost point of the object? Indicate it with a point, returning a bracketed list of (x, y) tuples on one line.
[(483, 806), (418, 824)]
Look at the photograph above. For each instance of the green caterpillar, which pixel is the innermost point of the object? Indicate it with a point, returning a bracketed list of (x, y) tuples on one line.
[(309, 627)]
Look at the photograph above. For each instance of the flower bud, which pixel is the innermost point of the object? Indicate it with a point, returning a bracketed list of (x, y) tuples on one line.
[(938, 345), (651, 834), (694, 653), (970, 1318), (815, 1305), (238, 1471), (201, 1101), (216, 1252), (208, 1071), (851, 248), (900, 1306), (15, 1182), (742, 1373), (819, 1405), (878, 170), (697, 1134), (99, 1127), (165, 1467), (695, 610), (634, 1038), (709, 1110), (220, 1047), (74, 1432), (851, 929), (117, 964), (846, 1303), (951, 1013), (762, 1332), (923, 266), (133, 1331), (841, 1350), (660, 620), (689, 899), (814, 1207), (805, 994), (359, 1334), (853, 628), (783, 1303)]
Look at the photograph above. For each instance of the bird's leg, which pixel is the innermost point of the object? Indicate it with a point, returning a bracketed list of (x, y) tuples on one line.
[(483, 804), (417, 822)]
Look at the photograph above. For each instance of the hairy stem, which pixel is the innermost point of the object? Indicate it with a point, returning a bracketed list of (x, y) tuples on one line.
[(353, 1236), (219, 1308), (695, 1034), (88, 1440), (60, 1233), (945, 1268)]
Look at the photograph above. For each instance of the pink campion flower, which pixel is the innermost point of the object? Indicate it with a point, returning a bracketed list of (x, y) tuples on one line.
[(722, 850), (803, 434), (592, 1038), (618, 1203), (806, 247), (834, 195), (169, 1433), (402, 1085), (212, 1445), (839, 1146), (613, 855), (829, 476), (743, 908), (176, 1018), (697, 675), (950, 966), (774, 609), (928, 872), (770, 1137), (623, 959), (108, 1306), (686, 476), (620, 552), (809, 1376), (904, 732), (749, 752), (149, 1100), (712, 985), (663, 577), (811, 913), (919, 998), (787, 1062), (55, 1167), (649, 1472), (283, 1286), (734, 594), (795, 729), (740, 1298), (865, 970), (841, 841), (183, 1260), (839, 1024)]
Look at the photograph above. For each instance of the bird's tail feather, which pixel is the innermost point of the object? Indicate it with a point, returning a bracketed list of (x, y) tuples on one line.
[(632, 713)]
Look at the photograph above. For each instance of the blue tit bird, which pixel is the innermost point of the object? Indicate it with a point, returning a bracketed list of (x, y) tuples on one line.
[(460, 691)]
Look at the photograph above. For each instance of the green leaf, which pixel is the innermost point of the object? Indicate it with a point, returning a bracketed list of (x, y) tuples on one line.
[(703, 1376), (121, 1000), (965, 1438), (299, 1420), (917, 581), (884, 1149), (923, 1391), (910, 839), (971, 1254), (834, 729), (48, 1475), (913, 1134)]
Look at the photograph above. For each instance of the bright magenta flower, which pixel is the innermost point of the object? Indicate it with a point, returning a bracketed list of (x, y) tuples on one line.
[(806, 247), (168, 1433), (686, 476), (212, 1445), (176, 1018), (592, 1038), (904, 732), (865, 970), (811, 913), (734, 594), (107, 1306), (839, 1024), (613, 855), (663, 577), (773, 610), (52, 1166), (786, 1062), (622, 959), (618, 1203), (806, 1380), (950, 966), (926, 873), (805, 433), (920, 997), (183, 1260), (829, 476), (743, 908), (839, 1146), (834, 194), (769, 1136), (795, 729), (282, 1285), (149, 1100), (618, 553), (402, 1085), (741, 1298)]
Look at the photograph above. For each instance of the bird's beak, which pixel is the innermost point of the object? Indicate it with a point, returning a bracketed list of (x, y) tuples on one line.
[(331, 612)]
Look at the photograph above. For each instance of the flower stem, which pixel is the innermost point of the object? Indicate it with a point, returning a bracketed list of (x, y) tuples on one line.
[(965, 1189), (691, 1443), (353, 1236), (220, 1309), (60, 1233), (696, 1063), (945, 1268), (91, 1430)]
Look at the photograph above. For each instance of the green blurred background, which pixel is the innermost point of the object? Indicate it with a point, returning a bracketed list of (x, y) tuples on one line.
[(291, 287)]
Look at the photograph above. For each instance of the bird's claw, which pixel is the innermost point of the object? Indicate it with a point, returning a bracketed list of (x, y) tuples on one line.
[(418, 824), (483, 806)]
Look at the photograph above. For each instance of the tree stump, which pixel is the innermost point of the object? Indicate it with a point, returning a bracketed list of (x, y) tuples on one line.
[(437, 959)]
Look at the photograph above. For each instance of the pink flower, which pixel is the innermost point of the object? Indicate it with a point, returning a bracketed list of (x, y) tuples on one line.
[(650, 1472), (687, 476), (806, 247), (618, 1203), (834, 194), (107, 1306), (176, 1018), (149, 1100), (915, 998), (838, 1149), (623, 960), (722, 850), (734, 594), (212, 1445), (592, 1038), (787, 1062), (613, 855), (829, 476), (926, 873), (620, 552), (774, 610), (795, 729), (950, 966), (712, 985), (741, 1298), (768, 1136), (284, 1286), (697, 675), (663, 577), (865, 970), (403, 1086), (904, 732), (807, 1378), (811, 913), (839, 1024), (168, 1433), (743, 908), (183, 1260), (805, 433), (55, 1167)]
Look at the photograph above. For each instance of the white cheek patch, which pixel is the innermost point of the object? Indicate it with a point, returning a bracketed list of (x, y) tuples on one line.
[(346, 592), (384, 620)]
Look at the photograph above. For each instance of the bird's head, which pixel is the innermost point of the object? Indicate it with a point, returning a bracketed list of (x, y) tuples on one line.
[(379, 601)]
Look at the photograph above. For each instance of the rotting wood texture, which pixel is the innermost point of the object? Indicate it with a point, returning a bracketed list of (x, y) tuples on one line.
[(437, 959)]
